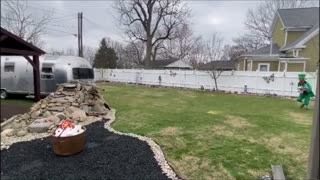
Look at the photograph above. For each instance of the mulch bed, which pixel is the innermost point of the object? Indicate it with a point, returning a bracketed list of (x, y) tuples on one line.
[(9, 110), (106, 156)]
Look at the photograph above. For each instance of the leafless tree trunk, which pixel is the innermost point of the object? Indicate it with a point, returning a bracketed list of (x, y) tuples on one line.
[(151, 21), (16, 18), (214, 51), (260, 19)]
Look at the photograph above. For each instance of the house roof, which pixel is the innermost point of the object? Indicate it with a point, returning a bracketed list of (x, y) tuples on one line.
[(299, 17), (163, 62), (14, 45), (265, 51), (219, 65), (298, 43), (178, 64)]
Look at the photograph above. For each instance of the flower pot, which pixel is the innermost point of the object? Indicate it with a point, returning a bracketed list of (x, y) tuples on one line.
[(66, 146)]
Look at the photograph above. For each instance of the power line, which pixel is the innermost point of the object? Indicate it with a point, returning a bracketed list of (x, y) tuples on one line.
[(97, 25), (33, 24)]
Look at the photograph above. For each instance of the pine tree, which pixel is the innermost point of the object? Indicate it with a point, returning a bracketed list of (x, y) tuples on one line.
[(105, 57)]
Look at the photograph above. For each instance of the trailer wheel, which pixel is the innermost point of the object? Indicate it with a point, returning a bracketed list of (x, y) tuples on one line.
[(3, 94)]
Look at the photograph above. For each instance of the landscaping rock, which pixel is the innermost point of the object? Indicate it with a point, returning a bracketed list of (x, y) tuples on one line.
[(35, 114), (25, 116), (59, 109), (21, 133), (46, 114), (16, 125), (53, 119), (77, 101), (79, 114), (61, 116), (40, 125), (8, 132)]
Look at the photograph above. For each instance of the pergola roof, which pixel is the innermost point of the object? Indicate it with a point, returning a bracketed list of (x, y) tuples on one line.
[(12, 45)]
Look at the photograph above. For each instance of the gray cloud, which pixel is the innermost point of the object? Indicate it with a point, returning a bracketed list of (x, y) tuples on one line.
[(224, 17)]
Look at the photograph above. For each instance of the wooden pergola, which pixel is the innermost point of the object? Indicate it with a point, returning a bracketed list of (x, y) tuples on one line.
[(12, 45)]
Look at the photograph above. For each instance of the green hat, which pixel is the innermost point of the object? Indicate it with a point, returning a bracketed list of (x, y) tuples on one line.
[(301, 76)]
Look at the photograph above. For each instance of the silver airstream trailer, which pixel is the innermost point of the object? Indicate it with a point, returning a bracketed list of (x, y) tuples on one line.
[(17, 73)]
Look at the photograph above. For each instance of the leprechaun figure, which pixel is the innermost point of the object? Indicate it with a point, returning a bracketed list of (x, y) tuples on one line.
[(305, 91)]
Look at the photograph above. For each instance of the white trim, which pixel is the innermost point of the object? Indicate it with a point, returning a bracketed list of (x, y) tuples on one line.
[(285, 38), (296, 28), (268, 66), (244, 64), (306, 39), (286, 66), (304, 66), (251, 65), (299, 58)]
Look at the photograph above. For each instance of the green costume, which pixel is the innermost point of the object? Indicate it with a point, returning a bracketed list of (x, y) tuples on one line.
[(305, 90)]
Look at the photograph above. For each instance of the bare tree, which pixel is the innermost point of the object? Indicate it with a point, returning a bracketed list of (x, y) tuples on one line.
[(249, 42), (133, 55), (180, 47), (89, 53), (18, 20), (214, 54), (151, 21), (232, 52), (197, 54), (259, 20)]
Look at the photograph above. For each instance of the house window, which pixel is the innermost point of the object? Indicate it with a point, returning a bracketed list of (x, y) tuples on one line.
[(263, 67), (9, 67)]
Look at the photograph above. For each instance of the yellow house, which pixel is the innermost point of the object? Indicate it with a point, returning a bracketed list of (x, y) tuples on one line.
[(294, 46)]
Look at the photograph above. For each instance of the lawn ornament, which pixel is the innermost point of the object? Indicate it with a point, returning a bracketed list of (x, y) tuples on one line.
[(305, 91)]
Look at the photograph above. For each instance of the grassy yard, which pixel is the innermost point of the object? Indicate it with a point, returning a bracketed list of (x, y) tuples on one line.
[(208, 135), (22, 101)]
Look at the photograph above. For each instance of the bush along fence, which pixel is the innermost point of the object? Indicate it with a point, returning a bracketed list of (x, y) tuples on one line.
[(275, 83)]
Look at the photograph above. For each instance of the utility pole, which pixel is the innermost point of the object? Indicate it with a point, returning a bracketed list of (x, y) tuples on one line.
[(80, 44)]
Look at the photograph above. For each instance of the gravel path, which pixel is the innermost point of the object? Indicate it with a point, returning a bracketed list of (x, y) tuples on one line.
[(106, 156)]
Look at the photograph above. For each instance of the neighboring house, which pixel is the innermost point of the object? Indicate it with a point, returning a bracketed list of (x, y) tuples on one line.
[(179, 64), (168, 64), (223, 65), (294, 44)]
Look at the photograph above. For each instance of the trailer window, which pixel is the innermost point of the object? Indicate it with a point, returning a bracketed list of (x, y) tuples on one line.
[(47, 70), (9, 68), (82, 73)]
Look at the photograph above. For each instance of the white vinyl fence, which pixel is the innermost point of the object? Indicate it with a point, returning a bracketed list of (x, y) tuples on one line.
[(280, 83)]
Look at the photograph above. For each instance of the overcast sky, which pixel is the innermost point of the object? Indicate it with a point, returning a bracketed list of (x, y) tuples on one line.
[(225, 17)]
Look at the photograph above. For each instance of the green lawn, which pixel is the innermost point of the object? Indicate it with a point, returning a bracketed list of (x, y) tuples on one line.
[(208, 135), (17, 101)]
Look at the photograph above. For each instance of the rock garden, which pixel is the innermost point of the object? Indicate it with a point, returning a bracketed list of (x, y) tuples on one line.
[(26, 142)]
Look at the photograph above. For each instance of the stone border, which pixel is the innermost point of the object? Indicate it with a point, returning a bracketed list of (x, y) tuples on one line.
[(156, 149)]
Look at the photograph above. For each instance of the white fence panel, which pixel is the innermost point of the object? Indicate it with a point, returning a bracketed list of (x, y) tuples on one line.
[(282, 83)]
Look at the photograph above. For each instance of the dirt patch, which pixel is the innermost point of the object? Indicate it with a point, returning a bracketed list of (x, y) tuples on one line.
[(221, 131), (259, 172), (300, 118), (191, 166), (237, 122), (9, 110), (214, 112), (170, 131)]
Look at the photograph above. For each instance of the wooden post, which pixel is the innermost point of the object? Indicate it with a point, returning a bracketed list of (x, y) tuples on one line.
[(36, 78), (313, 165)]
